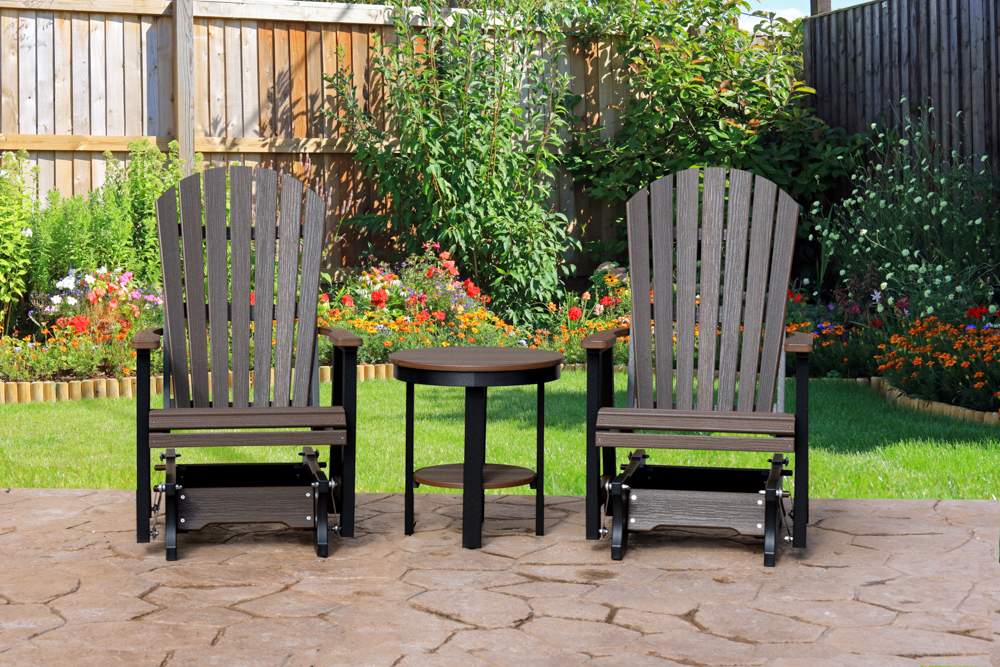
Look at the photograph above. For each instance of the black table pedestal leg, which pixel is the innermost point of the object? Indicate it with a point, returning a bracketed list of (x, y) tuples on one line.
[(472, 483), (408, 502), (540, 465)]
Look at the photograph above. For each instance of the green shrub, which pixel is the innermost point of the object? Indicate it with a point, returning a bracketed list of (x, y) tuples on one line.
[(701, 91), (467, 157), (920, 233), (17, 206)]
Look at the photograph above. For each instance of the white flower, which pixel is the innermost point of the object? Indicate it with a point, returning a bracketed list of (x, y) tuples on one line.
[(889, 275), (103, 269), (27, 233), (805, 281), (891, 300), (927, 293), (864, 231), (71, 300), (842, 272), (65, 283), (939, 268), (904, 142), (911, 267), (926, 227), (880, 308), (930, 310), (958, 288), (884, 285), (90, 280), (57, 299), (906, 253), (993, 309)]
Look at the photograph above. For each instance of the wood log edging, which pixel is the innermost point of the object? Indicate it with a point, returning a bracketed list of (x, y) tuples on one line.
[(897, 397)]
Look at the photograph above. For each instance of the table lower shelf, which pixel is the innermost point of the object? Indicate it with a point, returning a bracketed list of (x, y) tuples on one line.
[(495, 476)]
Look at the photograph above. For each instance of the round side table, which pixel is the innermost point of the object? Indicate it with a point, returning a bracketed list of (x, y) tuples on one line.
[(476, 369)]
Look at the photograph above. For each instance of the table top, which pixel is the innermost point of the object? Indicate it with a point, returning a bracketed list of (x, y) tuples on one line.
[(475, 359)]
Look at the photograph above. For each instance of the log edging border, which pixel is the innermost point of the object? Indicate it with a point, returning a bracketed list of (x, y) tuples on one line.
[(899, 398)]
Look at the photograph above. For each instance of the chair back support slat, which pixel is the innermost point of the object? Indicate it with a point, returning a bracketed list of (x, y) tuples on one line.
[(173, 292), (265, 225), (761, 227), (240, 224), (216, 247), (712, 211), (733, 234), (688, 183), (638, 244), (661, 196), (774, 326), (737, 227), (194, 287), (288, 273), (312, 240)]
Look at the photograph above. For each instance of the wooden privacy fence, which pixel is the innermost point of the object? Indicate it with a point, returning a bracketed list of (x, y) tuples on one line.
[(942, 53), (234, 80)]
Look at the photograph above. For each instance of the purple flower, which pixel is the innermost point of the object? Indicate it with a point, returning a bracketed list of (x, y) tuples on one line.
[(831, 306)]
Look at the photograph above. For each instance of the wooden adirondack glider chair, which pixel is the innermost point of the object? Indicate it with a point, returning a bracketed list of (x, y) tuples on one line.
[(299, 495), (714, 266)]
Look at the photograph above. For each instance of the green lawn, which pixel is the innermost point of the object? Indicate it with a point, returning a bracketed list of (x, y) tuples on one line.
[(861, 447)]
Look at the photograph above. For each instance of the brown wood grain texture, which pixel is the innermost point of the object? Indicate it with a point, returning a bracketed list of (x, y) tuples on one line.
[(697, 420), (475, 359), (314, 81), (62, 47), (774, 326), (282, 81), (240, 222), (661, 201), (735, 277), (288, 272), (249, 77), (45, 84), (223, 417), (149, 85), (495, 476), (173, 294), (194, 287), (713, 207), (761, 226), (233, 79), (170, 82), (341, 337), (297, 61), (328, 100), (688, 185), (133, 75), (216, 251), (81, 98), (248, 439), (292, 506), (115, 69), (265, 74), (9, 93), (729, 443), (313, 224), (202, 113), (216, 78), (661, 507), (265, 221), (639, 273)]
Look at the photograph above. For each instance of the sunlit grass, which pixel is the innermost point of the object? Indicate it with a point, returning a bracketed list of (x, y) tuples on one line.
[(861, 447)]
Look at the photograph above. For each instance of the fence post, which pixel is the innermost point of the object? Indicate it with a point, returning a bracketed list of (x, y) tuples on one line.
[(818, 7), (184, 80)]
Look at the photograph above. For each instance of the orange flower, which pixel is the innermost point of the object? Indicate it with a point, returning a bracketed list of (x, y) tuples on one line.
[(387, 343)]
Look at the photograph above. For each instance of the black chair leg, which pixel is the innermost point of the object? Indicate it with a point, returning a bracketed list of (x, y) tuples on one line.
[(321, 501), (619, 514)]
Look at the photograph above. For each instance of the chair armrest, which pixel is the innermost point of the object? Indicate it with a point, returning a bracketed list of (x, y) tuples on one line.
[(341, 337), (798, 341), (603, 340), (147, 339)]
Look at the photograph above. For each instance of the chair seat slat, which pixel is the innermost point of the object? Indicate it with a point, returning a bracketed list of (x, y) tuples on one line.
[(729, 443), (697, 420), (207, 418), (248, 439)]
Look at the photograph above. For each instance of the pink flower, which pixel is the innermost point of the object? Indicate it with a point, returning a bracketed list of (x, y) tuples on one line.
[(439, 316), (91, 297), (445, 255), (113, 303), (598, 309)]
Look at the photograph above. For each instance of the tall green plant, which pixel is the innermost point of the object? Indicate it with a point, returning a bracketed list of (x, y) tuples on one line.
[(701, 91), (921, 229), (17, 206), (466, 158)]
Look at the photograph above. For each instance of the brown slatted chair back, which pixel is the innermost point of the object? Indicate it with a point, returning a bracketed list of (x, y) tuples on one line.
[(725, 240), (219, 273)]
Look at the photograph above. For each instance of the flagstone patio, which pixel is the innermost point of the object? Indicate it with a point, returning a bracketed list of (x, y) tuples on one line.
[(884, 583)]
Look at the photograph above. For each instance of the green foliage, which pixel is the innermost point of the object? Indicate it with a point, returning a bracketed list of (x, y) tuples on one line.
[(468, 153), (701, 91), (920, 233), (17, 180), (115, 226)]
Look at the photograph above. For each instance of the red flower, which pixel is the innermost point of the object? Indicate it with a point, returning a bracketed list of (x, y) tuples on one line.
[(423, 316), (439, 316), (379, 298), (977, 312), (80, 323), (794, 297), (472, 291), (412, 301), (347, 300), (430, 272), (325, 298), (607, 301), (252, 298), (575, 313)]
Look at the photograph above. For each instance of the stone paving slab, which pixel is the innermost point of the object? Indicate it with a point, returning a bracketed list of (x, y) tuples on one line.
[(884, 583)]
